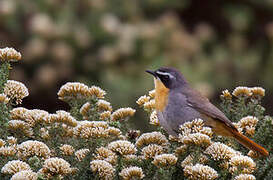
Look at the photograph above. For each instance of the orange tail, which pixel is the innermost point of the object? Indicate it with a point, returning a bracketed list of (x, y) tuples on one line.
[(249, 143)]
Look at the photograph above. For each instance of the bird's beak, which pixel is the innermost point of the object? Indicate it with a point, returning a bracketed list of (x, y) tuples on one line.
[(152, 73)]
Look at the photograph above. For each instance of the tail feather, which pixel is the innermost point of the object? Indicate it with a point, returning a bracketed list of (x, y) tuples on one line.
[(249, 143)]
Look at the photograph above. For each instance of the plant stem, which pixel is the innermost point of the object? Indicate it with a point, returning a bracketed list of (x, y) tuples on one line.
[(4, 74)]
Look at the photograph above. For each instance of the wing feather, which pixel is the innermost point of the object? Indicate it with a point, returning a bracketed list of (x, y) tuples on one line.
[(204, 106)]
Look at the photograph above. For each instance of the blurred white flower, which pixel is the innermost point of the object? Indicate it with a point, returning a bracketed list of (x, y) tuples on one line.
[(43, 25), (110, 23)]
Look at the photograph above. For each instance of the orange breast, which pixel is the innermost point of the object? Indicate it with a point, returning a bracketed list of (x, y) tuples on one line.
[(161, 95)]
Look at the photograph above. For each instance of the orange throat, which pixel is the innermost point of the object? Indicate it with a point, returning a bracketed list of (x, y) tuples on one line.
[(161, 95)]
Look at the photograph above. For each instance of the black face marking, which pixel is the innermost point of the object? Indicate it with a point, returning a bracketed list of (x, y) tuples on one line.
[(165, 77), (170, 77)]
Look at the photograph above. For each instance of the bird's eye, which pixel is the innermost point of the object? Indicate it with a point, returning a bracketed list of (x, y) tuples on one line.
[(166, 77)]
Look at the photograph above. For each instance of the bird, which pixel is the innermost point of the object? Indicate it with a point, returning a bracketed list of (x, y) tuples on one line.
[(176, 103)]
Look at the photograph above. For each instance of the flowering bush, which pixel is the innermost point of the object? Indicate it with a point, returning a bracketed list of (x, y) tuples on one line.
[(221, 44), (93, 141)]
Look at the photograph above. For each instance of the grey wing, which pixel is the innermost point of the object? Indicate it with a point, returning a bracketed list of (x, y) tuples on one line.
[(203, 105)]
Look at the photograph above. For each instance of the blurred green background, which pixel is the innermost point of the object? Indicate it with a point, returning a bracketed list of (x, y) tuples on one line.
[(216, 44)]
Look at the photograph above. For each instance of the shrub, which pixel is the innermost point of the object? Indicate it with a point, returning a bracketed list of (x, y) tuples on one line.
[(94, 142)]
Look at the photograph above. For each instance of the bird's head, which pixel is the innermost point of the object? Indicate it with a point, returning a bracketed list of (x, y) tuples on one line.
[(169, 77)]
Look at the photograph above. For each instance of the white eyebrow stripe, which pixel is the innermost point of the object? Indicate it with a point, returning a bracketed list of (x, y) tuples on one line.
[(165, 73)]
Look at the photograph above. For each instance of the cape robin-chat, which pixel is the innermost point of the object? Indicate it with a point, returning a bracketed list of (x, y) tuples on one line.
[(176, 103)]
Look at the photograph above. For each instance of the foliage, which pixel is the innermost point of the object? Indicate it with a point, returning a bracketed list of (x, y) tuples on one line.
[(225, 44)]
